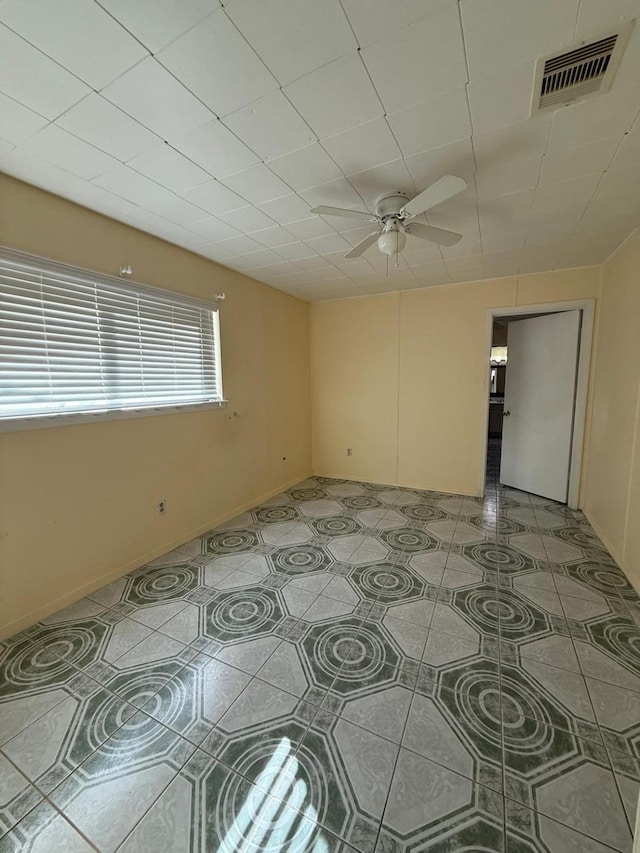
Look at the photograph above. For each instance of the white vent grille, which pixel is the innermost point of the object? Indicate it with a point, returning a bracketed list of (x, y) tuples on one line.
[(581, 71)]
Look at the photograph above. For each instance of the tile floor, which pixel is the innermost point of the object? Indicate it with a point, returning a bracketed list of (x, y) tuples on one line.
[(347, 667)]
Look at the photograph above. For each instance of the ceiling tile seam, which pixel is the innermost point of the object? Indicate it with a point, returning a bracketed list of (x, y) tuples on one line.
[(91, 144), (577, 20), (244, 39), (289, 82), (76, 177), (604, 172), (127, 30), (51, 59), (388, 33), (20, 104), (471, 125), (206, 171), (68, 70)]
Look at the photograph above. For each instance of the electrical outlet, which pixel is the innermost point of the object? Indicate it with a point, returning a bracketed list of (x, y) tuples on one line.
[(349, 451), (162, 507)]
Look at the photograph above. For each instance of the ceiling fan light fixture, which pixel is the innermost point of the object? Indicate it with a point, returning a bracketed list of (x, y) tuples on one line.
[(392, 241)]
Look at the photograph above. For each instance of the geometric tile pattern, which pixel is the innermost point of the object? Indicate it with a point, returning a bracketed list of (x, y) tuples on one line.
[(348, 667)]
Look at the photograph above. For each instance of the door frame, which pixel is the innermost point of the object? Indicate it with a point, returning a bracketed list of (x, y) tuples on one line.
[(587, 306)]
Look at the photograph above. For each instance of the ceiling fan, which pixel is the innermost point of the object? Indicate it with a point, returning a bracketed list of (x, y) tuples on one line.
[(394, 215)]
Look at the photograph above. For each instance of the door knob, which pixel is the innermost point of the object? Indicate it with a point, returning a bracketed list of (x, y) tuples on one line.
[(506, 414)]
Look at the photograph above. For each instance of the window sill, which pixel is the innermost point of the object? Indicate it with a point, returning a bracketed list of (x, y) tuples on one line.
[(44, 421)]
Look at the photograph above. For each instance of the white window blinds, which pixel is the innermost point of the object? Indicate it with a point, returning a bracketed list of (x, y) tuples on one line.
[(74, 342)]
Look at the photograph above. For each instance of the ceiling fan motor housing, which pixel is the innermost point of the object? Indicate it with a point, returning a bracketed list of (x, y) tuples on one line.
[(390, 205)]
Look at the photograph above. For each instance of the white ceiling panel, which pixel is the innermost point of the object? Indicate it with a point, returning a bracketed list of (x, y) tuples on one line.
[(611, 205), (575, 191), (216, 149), (329, 243), (391, 177), (17, 122), (555, 212), (437, 122), (273, 237), (167, 167), (498, 264), (465, 269), (134, 187), (215, 62), (454, 159), (248, 219), (61, 148), (241, 245), (336, 97), (106, 127), (501, 99), (66, 31), (157, 22), (595, 15), (628, 153), (498, 240), (420, 61), (376, 19), (510, 178), (511, 211), (213, 228), (271, 126), (288, 208), (32, 79), (498, 35), (589, 159), (430, 275), (185, 238), (363, 147), (294, 251), (201, 146), (145, 220), (306, 167), (215, 198), (157, 100), (254, 260), (313, 263), (619, 223), (177, 210), (293, 38), (541, 235), (312, 226), (338, 193), (215, 252), (618, 181), (612, 114), (513, 143), (257, 184)]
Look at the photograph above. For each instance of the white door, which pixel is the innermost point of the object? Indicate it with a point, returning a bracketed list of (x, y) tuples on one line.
[(539, 399)]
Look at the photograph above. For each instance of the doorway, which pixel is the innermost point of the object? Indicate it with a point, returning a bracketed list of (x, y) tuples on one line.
[(534, 425)]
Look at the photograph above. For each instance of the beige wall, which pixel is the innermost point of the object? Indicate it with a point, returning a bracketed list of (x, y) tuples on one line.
[(401, 378), (612, 500), (77, 503)]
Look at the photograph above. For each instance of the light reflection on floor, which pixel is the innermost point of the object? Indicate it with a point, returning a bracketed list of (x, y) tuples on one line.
[(271, 818)]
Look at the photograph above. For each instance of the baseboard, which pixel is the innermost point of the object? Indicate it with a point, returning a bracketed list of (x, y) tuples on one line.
[(617, 556), (351, 476), (82, 591)]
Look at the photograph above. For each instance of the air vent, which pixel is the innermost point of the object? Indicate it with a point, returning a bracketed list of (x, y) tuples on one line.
[(582, 71)]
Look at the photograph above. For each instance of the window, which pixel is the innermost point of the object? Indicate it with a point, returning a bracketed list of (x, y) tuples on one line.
[(76, 343)]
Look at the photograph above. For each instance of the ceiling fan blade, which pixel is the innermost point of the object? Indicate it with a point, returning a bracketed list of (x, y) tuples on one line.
[(341, 211), (363, 245), (434, 235), (443, 189)]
